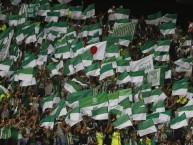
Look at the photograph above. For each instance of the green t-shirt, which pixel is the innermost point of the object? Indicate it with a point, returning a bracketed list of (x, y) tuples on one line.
[(26, 102), (14, 132)]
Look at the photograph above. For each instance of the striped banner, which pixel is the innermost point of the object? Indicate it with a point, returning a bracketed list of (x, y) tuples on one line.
[(124, 29)]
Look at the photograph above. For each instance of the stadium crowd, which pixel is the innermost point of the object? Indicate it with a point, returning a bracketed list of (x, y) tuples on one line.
[(23, 110)]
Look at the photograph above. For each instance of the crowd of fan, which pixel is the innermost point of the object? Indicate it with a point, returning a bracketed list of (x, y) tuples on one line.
[(23, 127)]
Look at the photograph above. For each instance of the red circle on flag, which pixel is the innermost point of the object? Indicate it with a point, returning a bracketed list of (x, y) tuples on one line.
[(93, 50)]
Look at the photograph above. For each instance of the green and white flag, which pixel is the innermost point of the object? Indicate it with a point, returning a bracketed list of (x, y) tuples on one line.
[(70, 38), (126, 107), (147, 47), (43, 9), (60, 27), (125, 93), (167, 28), (137, 77), (86, 58), (25, 74), (47, 47), (47, 102), (62, 52), (13, 20), (60, 109), (180, 69), (110, 60), (61, 8), (145, 63), (28, 83), (93, 39), (5, 65), (94, 28), (52, 69), (93, 70), (5, 36), (123, 65), (48, 122), (106, 71), (73, 98), (161, 56), (19, 35), (150, 96), (121, 13), (89, 11), (113, 50), (164, 117), (41, 36), (154, 116), (71, 87), (158, 106), (42, 58), (113, 99), (184, 62), (76, 12), (100, 113), (56, 97), (179, 122), (68, 68), (163, 46), (29, 62), (83, 32), (78, 65), (180, 89), (122, 122), (139, 103), (93, 102), (123, 78), (139, 113), (116, 110), (71, 30), (154, 19), (188, 110), (52, 35), (31, 38), (80, 82), (78, 49), (125, 40), (146, 127), (146, 87), (169, 17), (52, 16), (73, 117)]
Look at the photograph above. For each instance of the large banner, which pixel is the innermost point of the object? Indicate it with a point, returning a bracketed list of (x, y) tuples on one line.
[(124, 29), (156, 77), (145, 63)]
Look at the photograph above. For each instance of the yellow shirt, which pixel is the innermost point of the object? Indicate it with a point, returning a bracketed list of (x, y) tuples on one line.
[(2, 96), (3, 27), (99, 137), (116, 139)]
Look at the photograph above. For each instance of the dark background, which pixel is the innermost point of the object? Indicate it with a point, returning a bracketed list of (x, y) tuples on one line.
[(184, 8), (146, 7)]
